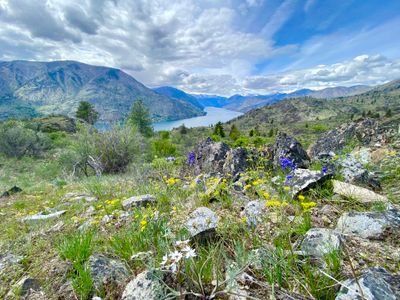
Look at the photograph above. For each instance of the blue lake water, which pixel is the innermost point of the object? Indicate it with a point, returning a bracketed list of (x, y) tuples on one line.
[(213, 116)]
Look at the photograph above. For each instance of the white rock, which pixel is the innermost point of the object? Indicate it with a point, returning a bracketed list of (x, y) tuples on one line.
[(136, 201), (142, 287), (41, 216), (361, 194)]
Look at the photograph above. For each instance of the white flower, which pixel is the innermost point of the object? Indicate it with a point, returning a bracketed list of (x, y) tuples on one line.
[(189, 252), (164, 260), (176, 256), (180, 243), (174, 267)]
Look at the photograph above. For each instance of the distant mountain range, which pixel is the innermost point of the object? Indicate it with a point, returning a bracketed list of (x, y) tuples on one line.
[(33, 88), (246, 103)]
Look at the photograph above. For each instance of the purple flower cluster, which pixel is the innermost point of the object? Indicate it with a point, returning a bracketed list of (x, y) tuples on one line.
[(171, 158), (191, 160), (324, 170), (287, 163)]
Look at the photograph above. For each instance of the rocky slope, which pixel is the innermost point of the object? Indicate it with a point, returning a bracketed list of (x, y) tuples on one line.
[(31, 88)]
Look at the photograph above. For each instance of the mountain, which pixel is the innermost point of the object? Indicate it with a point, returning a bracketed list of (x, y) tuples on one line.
[(340, 91), (31, 88), (178, 94), (296, 114), (211, 100)]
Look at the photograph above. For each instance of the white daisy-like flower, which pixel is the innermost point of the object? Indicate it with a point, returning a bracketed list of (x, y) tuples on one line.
[(180, 243), (174, 267), (176, 256), (164, 260), (189, 252)]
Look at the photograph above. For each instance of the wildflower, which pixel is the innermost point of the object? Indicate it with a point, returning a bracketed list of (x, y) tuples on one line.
[(286, 188), (272, 203), (189, 252), (171, 181), (143, 223), (176, 256), (191, 159), (324, 170), (287, 163), (247, 186), (266, 195), (170, 158), (181, 243), (308, 205), (289, 177), (301, 197), (164, 260), (244, 219)]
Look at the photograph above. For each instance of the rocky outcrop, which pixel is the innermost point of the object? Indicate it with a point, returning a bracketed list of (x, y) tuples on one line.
[(137, 201), (361, 194), (235, 161), (374, 284), (365, 132), (107, 271), (288, 147), (202, 222)]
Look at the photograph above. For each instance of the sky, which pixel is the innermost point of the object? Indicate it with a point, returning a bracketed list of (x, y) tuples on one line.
[(222, 47)]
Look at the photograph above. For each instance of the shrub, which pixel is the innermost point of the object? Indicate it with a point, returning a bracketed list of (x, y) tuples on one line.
[(17, 141), (87, 112)]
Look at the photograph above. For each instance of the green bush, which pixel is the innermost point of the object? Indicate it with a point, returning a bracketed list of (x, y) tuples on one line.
[(17, 141)]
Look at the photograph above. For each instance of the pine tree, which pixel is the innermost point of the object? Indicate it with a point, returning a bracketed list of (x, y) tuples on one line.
[(140, 117), (219, 130), (234, 134), (87, 113), (183, 129)]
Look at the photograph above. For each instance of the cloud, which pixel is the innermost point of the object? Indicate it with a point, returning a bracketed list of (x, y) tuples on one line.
[(76, 17), (363, 69)]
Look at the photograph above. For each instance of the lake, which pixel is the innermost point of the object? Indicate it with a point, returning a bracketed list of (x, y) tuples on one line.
[(213, 116)]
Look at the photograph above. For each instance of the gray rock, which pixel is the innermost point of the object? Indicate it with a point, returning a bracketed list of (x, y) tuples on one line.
[(136, 201), (375, 283), (235, 161), (320, 241), (142, 287), (78, 196), (361, 194), (369, 225), (288, 147), (202, 221), (365, 132), (107, 271), (304, 179), (8, 260), (42, 216), (27, 286), (253, 213), (14, 190)]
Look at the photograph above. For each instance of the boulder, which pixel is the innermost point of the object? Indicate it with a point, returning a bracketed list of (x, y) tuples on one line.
[(365, 132), (8, 260), (320, 241), (288, 147), (375, 283), (143, 286), (43, 216), (369, 225), (28, 288), (304, 179), (361, 194), (202, 222), (137, 201), (107, 271), (14, 190)]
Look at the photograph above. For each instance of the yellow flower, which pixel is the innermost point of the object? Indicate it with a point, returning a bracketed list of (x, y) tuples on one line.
[(266, 195), (301, 197), (308, 205), (272, 203), (143, 223), (286, 188), (247, 186), (244, 219), (392, 153)]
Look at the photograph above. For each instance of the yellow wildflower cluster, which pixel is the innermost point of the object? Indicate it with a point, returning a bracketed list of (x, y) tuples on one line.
[(273, 203), (308, 205), (172, 181), (392, 153), (257, 182)]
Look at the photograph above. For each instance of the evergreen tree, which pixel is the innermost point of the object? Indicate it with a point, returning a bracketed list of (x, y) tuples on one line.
[(183, 129), (234, 134), (140, 117), (219, 130), (87, 113)]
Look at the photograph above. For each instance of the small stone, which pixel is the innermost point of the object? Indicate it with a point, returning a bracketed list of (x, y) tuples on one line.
[(304, 179), (359, 193), (143, 286), (14, 190), (320, 241), (136, 201), (42, 216), (78, 196), (202, 221)]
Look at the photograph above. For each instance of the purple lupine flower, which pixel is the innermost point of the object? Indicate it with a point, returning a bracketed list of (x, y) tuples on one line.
[(287, 163), (191, 159), (289, 177), (324, 170), (171, 158)]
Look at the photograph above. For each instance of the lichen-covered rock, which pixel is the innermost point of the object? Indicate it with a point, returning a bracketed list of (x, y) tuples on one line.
[(320, 241), (136, 201), (201, 222), (26, 288), (288, 147), (143, 286), (369, 225), (355, 192), (107, 271), (365, 132), (375, 283), (235, 161), (78, 196), (253, 213), (304, 179), (8, 260)]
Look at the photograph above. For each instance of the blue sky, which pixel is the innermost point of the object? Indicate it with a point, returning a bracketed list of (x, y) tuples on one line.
[(213, 46)]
